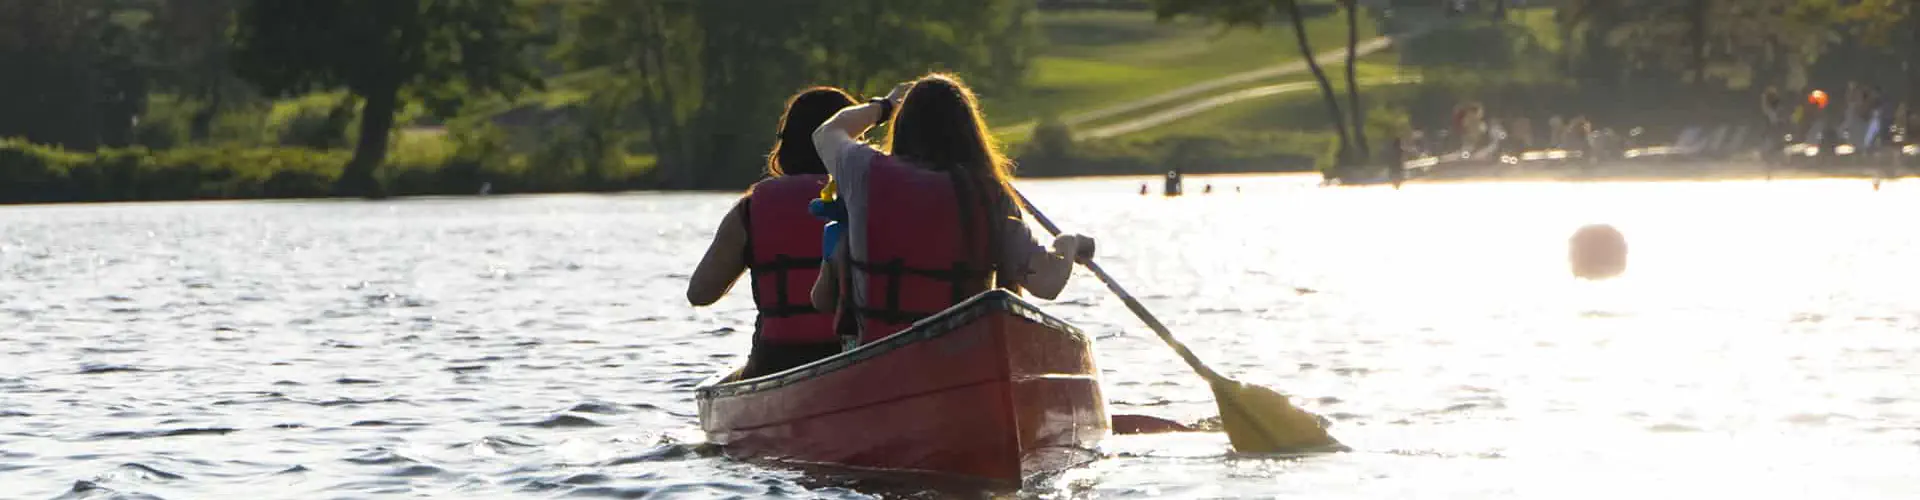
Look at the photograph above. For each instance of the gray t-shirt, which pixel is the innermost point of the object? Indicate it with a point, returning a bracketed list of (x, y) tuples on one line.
[(849, 169)]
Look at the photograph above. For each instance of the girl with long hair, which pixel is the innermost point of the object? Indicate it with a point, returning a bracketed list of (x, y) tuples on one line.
[(933, 218)]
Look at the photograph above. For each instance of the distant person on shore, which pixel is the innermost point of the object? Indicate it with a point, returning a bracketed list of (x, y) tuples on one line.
[(1822, 128), (1396, 156), (1579, 137), (1770, 104), (1522, 131), (1611, 144), (1462, 121), (1900, 131), (1806, 117), (1852, 121), (1771, 107), (934, 219), (1776, 108), (770, 233), (1497, 138), (1557, 132), (1874, 117)]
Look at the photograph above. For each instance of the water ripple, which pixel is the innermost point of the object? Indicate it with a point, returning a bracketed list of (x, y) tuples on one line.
[(100, 368), (597, 407), (562, 420), (138, 472), (162, 433), (541, 346)]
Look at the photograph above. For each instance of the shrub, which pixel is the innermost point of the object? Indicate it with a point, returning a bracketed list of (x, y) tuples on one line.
[(1052, 141), (423, 162), (319, 121), (36, 173)]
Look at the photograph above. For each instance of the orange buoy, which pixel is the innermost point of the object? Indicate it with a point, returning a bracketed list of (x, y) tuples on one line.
[(1597, 251), (1818, 98)]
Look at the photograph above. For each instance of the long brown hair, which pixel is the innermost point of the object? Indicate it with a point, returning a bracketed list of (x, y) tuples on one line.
[(939, 127), (793, 152)]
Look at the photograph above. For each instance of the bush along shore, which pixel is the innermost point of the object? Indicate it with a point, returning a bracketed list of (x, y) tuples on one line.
[(45, 174), (473, 162)]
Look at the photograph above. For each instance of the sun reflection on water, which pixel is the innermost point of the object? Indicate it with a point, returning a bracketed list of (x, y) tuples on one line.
[(1755, 319)]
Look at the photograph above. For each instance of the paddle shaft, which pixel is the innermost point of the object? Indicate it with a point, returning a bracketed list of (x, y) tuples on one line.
[(1139, 310)]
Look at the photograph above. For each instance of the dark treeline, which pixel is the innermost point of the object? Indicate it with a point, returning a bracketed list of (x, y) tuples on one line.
[(1654, 66), (180, 98)]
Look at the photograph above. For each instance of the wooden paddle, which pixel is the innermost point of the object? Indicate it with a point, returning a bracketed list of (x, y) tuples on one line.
[(1257, 419)]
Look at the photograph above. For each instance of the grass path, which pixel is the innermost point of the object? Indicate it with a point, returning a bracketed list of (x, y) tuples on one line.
[(1189, 109), (1226, 90), (1336, 56), (1094, 58)]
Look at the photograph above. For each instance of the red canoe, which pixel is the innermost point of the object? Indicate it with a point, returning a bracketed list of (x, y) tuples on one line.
[(991, 389)]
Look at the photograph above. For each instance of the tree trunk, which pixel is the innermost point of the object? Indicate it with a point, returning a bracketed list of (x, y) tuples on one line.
[(1361, 151), (201, 126), (376, 122), (1913, 52), (1697, 40), (1326, 88)]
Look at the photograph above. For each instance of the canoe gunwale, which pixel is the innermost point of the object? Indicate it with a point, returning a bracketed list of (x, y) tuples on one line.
[(932, 327)]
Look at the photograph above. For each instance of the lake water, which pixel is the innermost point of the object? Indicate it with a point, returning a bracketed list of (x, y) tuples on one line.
[(1765, 342)]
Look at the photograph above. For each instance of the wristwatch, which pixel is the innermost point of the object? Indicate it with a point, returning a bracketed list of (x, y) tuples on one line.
[(886, 109)]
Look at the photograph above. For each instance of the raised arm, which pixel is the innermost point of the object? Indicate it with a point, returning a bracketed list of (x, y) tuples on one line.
[(846, 127)]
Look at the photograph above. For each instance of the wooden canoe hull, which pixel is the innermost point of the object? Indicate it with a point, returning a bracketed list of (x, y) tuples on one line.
[(991, 389)]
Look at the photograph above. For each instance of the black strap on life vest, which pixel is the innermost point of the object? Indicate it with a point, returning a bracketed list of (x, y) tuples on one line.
[(958, 278), (780, 268)]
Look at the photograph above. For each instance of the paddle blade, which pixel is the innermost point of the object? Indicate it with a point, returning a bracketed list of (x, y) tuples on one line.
[(1262, 420)]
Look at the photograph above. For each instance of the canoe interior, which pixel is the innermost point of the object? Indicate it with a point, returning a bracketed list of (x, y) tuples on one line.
[(991, 389)]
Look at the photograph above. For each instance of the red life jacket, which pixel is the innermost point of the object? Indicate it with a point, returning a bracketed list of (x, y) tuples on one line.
[(918, 260), (783, 258)]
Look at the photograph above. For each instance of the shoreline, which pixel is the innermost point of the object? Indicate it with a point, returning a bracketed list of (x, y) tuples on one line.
[(1712, 172), (1706, 171)]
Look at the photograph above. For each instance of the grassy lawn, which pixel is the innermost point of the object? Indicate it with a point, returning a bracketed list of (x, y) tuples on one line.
[(1539, 21), (1098, 58), (1091, 58), (1292, 111)]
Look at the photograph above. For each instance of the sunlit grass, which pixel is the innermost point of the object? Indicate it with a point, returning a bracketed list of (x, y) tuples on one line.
[(1293, 111), (1540, 21), (1097, 58)]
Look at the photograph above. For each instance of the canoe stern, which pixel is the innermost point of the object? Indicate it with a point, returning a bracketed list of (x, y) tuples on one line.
[(991, 389)]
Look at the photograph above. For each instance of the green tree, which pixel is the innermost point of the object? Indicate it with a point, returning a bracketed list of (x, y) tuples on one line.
[(437, 51), (192, 55), (1711, 43), (1888, 24), (706, 79), (73, 71), (1254, 14)]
